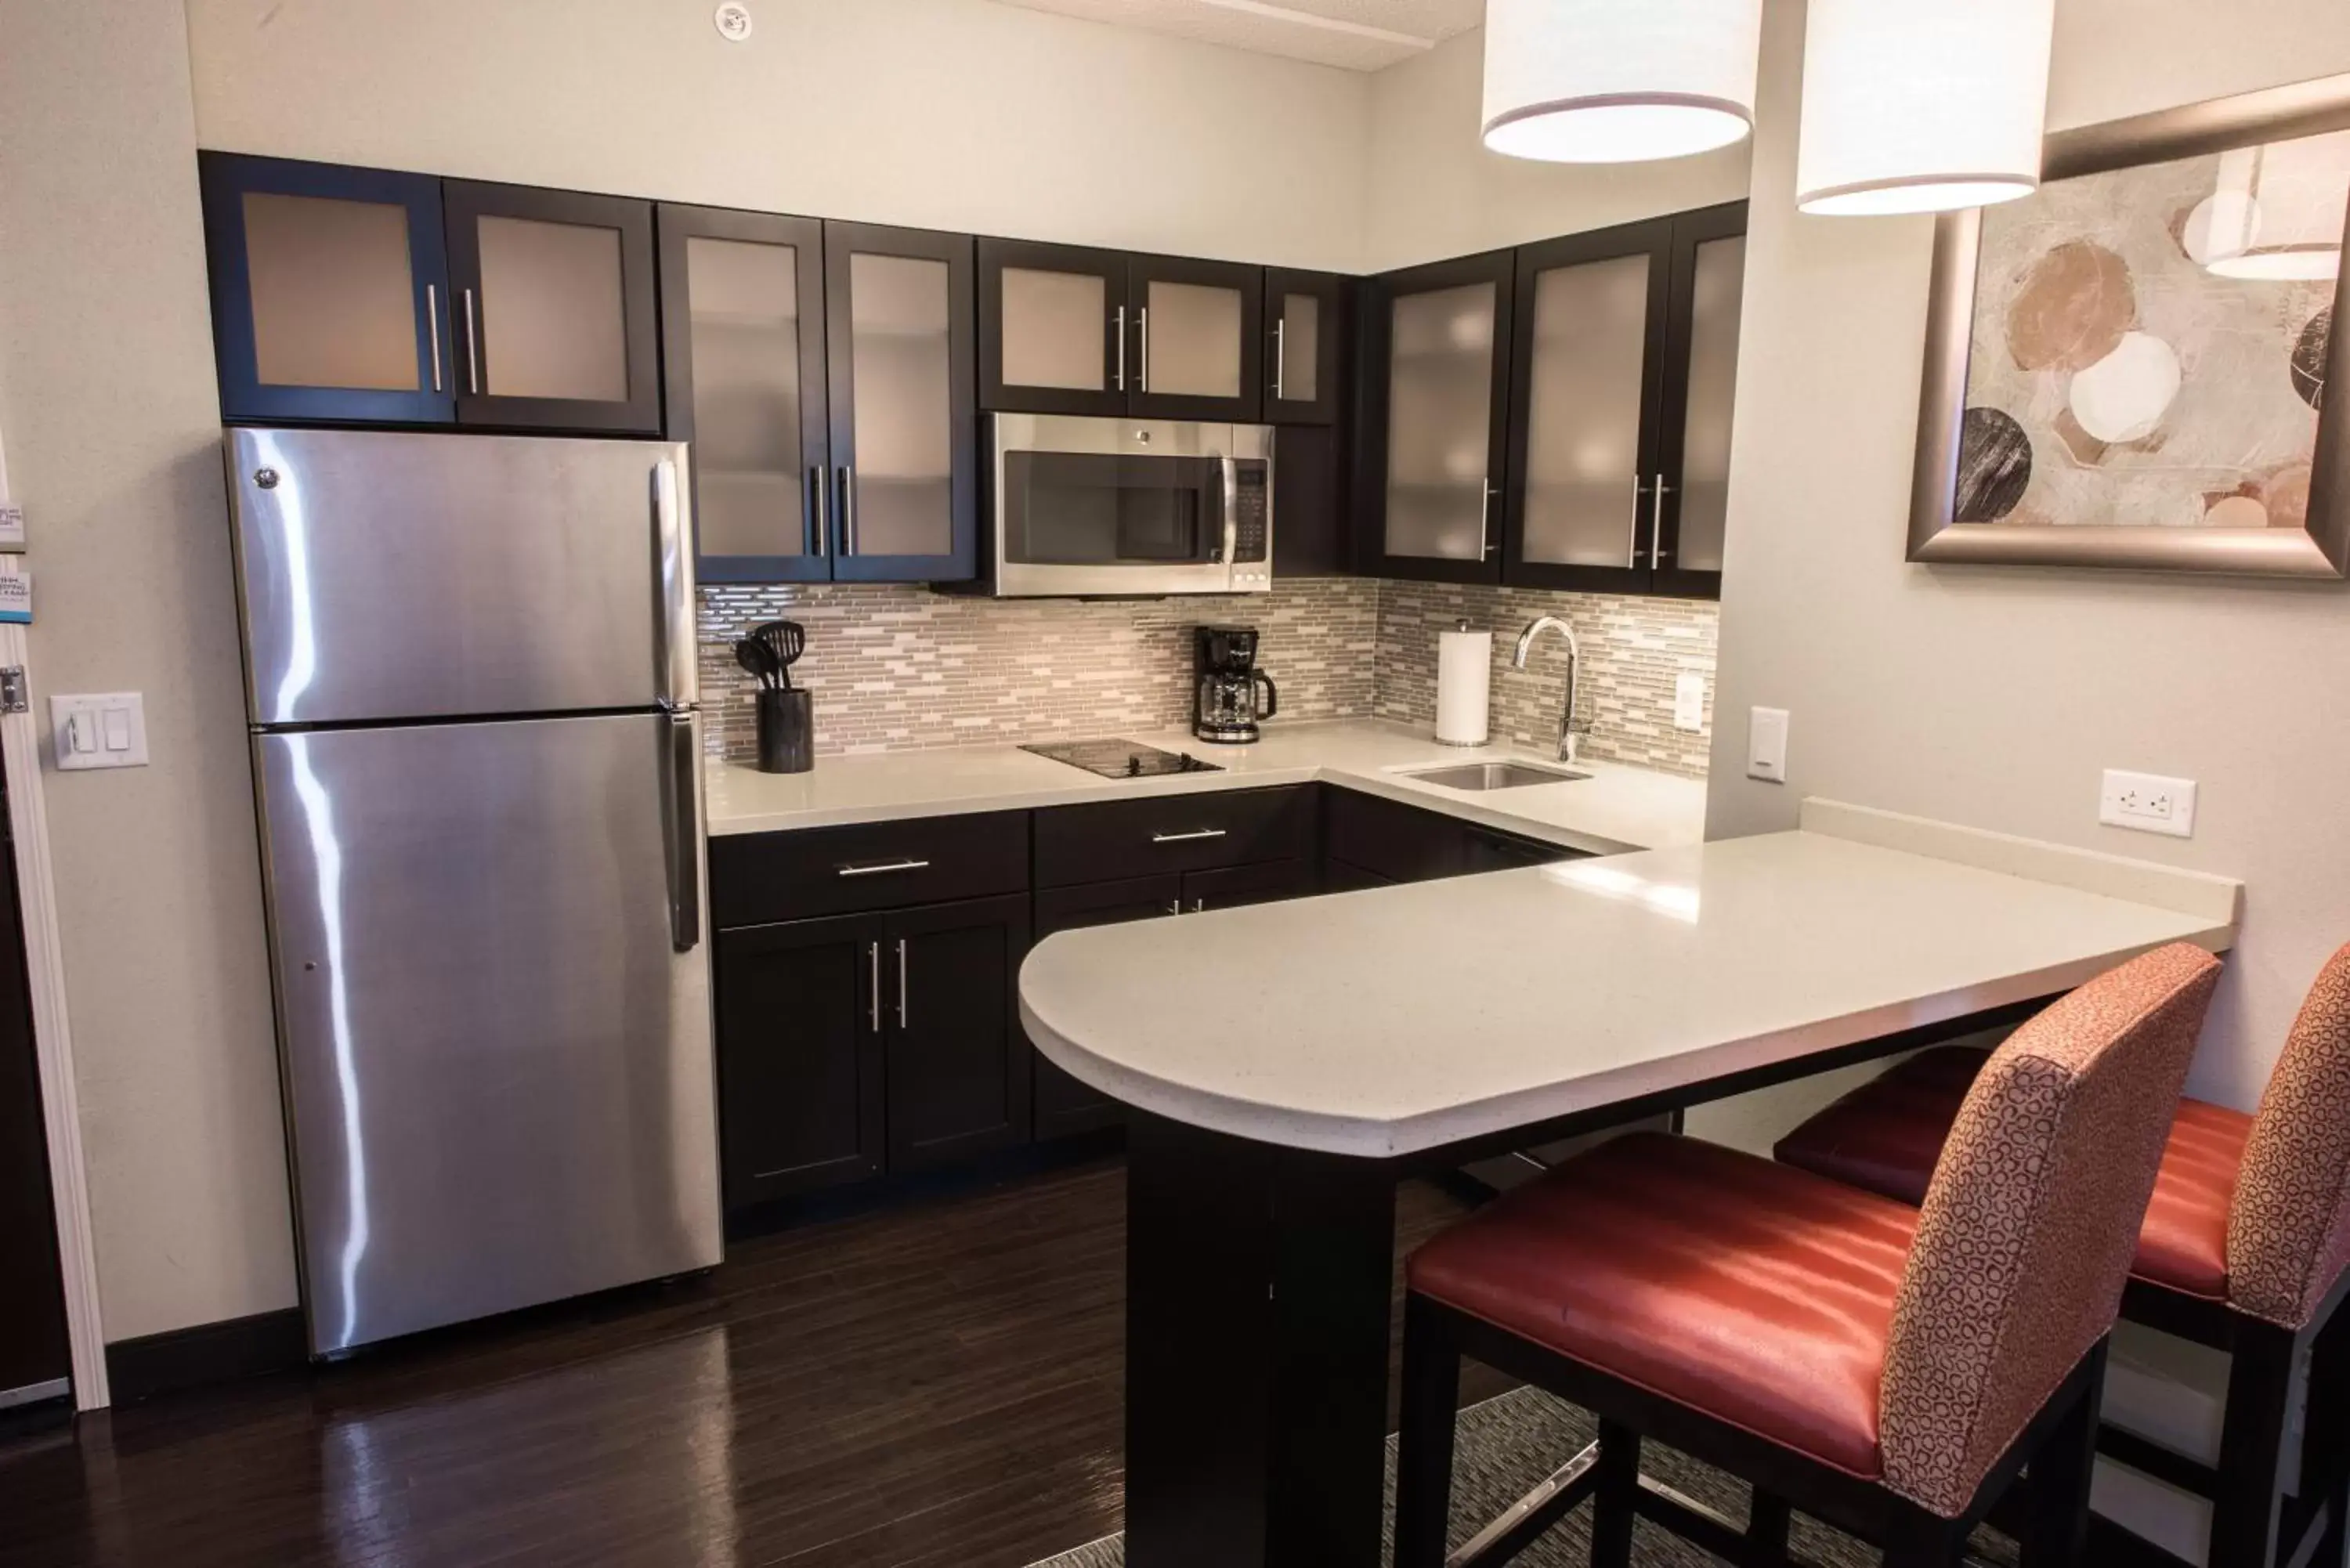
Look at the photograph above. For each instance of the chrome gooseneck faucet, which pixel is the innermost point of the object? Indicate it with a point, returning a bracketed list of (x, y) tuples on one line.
[(1569, 729)]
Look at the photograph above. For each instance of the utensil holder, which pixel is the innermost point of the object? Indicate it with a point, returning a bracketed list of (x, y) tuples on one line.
[(786, 733)]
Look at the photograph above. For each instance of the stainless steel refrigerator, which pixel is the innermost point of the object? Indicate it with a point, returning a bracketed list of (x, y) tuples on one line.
[(470, 672)]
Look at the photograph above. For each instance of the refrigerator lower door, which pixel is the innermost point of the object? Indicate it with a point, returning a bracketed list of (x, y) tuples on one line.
[(493, 1013), (388, 575)]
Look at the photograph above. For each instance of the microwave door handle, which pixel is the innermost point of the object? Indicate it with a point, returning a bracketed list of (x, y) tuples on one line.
[(1232, 509)]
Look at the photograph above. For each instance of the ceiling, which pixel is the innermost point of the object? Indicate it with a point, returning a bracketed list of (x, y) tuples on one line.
[(1356, 35)]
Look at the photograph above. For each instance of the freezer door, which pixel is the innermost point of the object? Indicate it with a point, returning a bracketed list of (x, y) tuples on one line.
[(405, 575), (493, 1013)]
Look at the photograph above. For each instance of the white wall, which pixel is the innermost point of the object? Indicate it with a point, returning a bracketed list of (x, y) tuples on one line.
[(106, 393), (1994, 696), (952, 114), (1435, 192)]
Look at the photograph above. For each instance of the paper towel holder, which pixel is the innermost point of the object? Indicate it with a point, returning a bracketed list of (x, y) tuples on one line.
[(1464, 696)]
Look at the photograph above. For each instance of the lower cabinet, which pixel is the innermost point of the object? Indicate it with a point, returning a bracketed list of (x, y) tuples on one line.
[(1065, 1106), (862, 1044)]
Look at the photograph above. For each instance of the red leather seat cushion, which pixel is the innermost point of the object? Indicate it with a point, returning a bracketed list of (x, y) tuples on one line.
[(1756, 1293), (1886, 1135)]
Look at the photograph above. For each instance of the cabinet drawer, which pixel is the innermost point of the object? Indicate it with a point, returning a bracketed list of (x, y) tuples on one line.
[(755, 878), (1078, 844)]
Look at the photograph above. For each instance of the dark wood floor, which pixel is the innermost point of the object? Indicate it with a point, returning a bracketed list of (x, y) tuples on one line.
[(935, 1385)]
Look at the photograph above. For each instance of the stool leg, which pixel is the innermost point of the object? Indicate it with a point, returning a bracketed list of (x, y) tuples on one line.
[(1612, 1505), (2326, 1450), (2245, 1515), (1919, 1540), (2056, 1487), (1431, 1398), (1767, 1518)]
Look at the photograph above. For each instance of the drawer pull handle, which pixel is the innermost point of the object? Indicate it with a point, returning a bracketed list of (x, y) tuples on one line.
[(1196, 833), (876, 868)]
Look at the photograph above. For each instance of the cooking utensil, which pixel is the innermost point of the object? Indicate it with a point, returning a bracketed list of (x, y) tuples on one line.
[(786, 640), (759, 660)]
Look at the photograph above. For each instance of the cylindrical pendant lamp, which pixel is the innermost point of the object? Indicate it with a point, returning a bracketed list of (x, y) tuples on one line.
[(1922, 105), (1618, 82)]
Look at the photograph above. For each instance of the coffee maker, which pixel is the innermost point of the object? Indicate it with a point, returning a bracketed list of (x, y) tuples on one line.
[(1224, 700)]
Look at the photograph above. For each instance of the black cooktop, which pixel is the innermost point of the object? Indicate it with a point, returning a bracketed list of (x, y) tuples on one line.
[(1121, 759)]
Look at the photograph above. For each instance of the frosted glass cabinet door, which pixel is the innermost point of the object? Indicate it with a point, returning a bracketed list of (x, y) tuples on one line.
[(554, 308), (1199, 351), (1589, 373), (1709, 276), (1304, 379), (899, 358), (1051, 329), (1438, 338), (329, 292), (742, 297)]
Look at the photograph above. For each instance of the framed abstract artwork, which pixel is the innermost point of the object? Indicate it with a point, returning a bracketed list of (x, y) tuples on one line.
[(2130, 366)]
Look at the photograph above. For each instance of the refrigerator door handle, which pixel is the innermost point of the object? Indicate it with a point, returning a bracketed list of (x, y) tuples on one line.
[(674, 625), (684, 762)]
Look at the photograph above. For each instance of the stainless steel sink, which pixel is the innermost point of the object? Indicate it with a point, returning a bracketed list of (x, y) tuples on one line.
[(1493, 775)]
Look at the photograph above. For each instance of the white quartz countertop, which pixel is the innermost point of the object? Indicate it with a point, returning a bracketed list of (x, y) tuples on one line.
[(1618, 808), (1400, 1019)]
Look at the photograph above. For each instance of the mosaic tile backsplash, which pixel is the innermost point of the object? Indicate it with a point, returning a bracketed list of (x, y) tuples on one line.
[(897, 669)]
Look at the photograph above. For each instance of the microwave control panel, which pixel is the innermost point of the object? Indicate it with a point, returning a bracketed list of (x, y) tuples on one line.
[(1250, 535)]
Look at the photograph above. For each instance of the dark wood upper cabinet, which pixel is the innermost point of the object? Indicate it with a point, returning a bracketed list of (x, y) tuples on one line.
[(1310, 317), (1064, 329), (1435, 439), (1586, 375), (1590, 377), (557, 318), (900, 354), (1699, 396), (743, 355), (1052, 329), (330, 292), (1199, 339)]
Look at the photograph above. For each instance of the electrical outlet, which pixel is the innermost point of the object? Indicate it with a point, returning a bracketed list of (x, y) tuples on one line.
[(1689, 702), (2148, 803)]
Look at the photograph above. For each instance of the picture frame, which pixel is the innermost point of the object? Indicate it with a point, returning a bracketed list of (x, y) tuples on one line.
[(2319, 548)]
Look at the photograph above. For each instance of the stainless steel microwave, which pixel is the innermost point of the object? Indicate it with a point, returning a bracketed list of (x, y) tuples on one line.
[(1099, 506)]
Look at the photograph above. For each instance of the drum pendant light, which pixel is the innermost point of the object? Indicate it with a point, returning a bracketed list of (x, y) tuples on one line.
[(1618, 82), (1922, 105)]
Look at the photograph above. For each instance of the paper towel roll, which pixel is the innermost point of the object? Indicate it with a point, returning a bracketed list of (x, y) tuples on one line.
[(1464, 685)]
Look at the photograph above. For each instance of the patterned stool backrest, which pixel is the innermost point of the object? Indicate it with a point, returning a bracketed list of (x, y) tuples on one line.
[(2028, 1227), (2289, 1226)]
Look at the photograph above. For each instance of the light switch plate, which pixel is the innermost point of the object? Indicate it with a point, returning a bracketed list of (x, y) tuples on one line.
[(2148, 803), (101, 730), (1689, 702), (1766, 744)]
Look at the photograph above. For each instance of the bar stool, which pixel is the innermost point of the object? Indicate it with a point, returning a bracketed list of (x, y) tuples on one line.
[(1886, 1369), (2243, 1249)]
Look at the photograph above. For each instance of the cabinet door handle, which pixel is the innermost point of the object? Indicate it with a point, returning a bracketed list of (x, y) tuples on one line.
[(1657, 551), (1145, 312), (902, 1015), (1199, 906), (848, 509), (472, 349), (873, 953), (1174, 906), (1197, 833), (819, 513), (1280, 361), (433, 328), (1121, 348), (876, 868), (1485, 518)]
